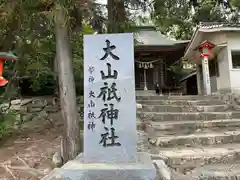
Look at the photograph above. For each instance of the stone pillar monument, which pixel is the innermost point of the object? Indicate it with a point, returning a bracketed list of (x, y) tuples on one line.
[(110, 135)]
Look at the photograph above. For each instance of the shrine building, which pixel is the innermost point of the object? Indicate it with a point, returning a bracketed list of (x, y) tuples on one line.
[(215, 48), (154, 54)]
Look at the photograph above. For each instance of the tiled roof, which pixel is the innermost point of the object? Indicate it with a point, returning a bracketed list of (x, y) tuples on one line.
[(209, 27), (148, 35), (212, 25)]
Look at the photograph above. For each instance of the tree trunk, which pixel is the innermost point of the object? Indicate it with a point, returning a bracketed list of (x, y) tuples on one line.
[(116, 16), (71, 139), (110, 22), (76, 27), (55, 67)]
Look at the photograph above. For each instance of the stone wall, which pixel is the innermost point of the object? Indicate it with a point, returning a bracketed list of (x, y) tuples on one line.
[(40, 108), (34, 109)]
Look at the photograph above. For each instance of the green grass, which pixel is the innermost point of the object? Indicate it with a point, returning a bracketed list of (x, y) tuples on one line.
[(6, 123)]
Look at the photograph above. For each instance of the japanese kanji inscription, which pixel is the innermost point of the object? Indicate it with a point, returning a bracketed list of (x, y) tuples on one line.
[(109, 98)]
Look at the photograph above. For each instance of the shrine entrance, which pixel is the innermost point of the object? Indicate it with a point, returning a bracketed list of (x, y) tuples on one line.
[(147, 74)]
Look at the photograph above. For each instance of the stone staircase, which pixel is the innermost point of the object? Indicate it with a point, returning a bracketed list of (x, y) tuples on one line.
[(196, 135)]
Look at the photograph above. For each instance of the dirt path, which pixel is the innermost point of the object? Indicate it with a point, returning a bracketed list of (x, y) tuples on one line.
[(28, 156)]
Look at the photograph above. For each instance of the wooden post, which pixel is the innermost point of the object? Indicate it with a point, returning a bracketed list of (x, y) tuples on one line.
[(199, 85), (71, 139), (145, 79), (162, 74)]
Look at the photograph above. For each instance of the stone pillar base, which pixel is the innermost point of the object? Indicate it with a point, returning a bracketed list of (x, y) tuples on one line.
[(143, 169)]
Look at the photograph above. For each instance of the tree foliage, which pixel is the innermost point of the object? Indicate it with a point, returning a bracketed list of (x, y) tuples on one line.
[(179, 17), (27, 29)]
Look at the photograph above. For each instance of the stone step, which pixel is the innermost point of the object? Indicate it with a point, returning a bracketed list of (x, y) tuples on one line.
[(206, 137), (156, 97), (187, 131), (153, 133), (187, 158), (153, 93), (181, 102), (187, 116), (180, 108), (217, 172), (176, 126)]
